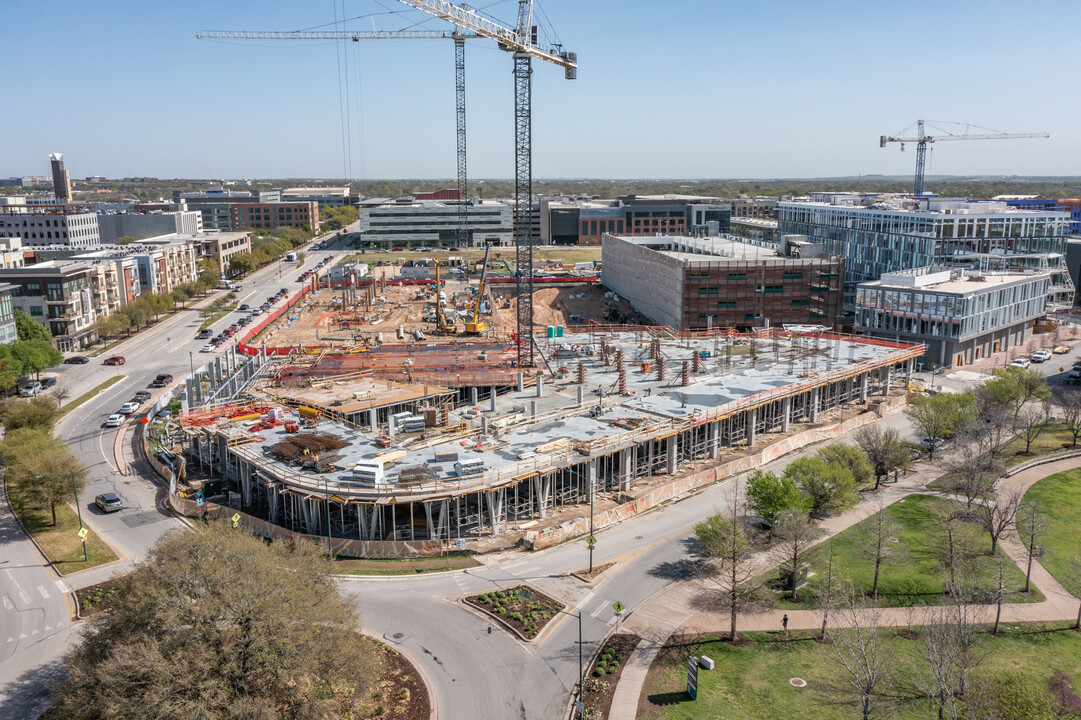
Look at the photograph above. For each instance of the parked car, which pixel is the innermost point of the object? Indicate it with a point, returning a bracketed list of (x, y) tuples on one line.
[(30, 389), (1074, 375), (209, 348), (109, 502), (115, 360), (77, 360), (1041, 356), (47, 383), (1020, 363), (128, 408), (141, 397), (114, 420)]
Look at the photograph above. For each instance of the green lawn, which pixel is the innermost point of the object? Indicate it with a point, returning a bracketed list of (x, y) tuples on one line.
[(218, 314), (60, 544), (751, 683), (1055, 438), (1060, 496), (913, 574), (71, 405)]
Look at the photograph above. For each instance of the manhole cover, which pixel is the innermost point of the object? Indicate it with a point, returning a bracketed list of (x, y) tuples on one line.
[(639, 537), (797, 682), (398, 636)]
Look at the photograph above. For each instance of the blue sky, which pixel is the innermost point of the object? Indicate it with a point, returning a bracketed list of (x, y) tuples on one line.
[(677, 89)]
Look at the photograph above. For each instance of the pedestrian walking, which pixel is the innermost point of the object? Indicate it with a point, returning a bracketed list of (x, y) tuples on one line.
[(784, 623)]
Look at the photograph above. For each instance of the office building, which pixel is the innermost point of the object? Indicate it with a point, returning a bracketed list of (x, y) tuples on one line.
[(961, 315), (215, 205), (112, 226), (24, 182), (325, 196), (58, 225), (61, 179), (584, 220), (409, 222), (269, 216), (11, 253), (704, 283), (219, 247)]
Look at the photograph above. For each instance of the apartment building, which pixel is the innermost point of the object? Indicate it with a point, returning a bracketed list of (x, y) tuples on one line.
[(112, 226), (961, 315), (704, 283), (409, 222), (11, 253), (56, 225), (8, 332), (268, 216), (215, 205), (325, 196), (219, 247)]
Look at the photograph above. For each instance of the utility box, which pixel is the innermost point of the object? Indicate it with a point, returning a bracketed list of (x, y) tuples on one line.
[(706, 662)]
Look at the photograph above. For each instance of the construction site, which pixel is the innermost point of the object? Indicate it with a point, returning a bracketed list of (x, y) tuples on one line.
[(450, 441)]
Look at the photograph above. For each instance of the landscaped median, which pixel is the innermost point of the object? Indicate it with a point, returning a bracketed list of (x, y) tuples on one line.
[(522, 609), (92, 393), (60, 542)]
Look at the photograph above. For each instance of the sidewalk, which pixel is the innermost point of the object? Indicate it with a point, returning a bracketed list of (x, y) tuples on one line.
[(671, 610)]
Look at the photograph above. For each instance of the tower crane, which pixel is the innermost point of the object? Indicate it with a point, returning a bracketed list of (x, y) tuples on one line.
[(456, 35), (922, 140), (520, 40)]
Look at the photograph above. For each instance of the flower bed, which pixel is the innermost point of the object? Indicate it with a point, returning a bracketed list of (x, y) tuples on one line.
[(603, 675), (521, 608)]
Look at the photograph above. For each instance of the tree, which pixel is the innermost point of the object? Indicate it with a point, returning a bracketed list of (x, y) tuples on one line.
[(955, 547), (997, 516), (851, 457), (1070, 405), (38, 412), (257, 630), (1002, 564), (724, 541), (27, 328), (885, 450), (795, 534), (828, 486), (1031, 525), (1013, 387), (876, 534), (950, 646), (42, 467), (1032, 421), (242, 263), (60, 393), (9, 369), (861, 653), (769, 495), (941, 416), (34, 356)]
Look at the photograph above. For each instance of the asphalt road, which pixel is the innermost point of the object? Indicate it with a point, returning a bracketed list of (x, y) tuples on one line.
[(35, 617)]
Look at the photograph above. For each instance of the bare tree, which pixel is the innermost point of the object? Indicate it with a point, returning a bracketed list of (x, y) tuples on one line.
[(971, 474), (724, 541), (794, 534), (827, 600), (1032, 421), (60, 394), (885, 450), (861, 653), (1070, 406), (1002, 563), (875, 543), (997, 516), (951, 647), (954, 546), (1031, 525)]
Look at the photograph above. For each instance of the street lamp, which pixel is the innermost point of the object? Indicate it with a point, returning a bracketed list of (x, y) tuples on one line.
[(581, 670), (326, 496), (75, 489)]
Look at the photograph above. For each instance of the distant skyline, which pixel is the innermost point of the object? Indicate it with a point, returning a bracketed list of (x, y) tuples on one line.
[(679, 90)]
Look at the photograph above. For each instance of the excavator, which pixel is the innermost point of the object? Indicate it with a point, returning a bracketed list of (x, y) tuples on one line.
[(476, 327), (441, 324)]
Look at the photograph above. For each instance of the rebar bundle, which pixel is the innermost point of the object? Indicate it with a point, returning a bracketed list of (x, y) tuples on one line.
[(685, 375), (581, 373), (293, 447)]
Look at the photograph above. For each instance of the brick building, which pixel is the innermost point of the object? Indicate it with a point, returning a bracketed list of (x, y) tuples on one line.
[(268, 216)]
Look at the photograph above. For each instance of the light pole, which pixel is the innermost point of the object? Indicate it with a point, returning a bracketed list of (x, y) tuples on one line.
[(75, 490), (581, 669), (592, 540), (326, 496)]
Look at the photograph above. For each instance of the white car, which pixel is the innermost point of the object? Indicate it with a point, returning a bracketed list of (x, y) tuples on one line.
[(1020, 363), (128, 408), (114, 420), (1041, 356), (207, 348)]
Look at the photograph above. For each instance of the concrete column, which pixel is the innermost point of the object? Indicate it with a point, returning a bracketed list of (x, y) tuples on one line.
[(473, 397), (889, 380), (814, 405), (540, 386), (751, 422), (544, 491), (373, 420), (495, 508), (581, 396), (649, 456), (863, 388), (787, 409), (484, 425), (625, 469), (714, 440), (673, 445), (428, 518), (190, 390), (532, 408), (217, 372), (492, 406), (521, 382)]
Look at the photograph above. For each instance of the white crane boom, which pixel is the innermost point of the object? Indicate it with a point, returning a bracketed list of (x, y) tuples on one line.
[(354, 35)]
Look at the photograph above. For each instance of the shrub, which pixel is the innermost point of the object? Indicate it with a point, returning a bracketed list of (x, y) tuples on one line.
[(515, 616), (499, 610), (613, 669), (599, 672)]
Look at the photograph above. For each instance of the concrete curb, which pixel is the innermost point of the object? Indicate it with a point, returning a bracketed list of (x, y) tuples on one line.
[(41, 553)]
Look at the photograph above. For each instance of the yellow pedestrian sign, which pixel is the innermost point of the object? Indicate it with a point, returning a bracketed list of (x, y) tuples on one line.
[(236, 519), (618, 607), (83, 532), (591, 541)]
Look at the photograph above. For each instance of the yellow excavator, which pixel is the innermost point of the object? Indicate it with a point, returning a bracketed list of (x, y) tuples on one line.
[(441, 323), (476, 327)]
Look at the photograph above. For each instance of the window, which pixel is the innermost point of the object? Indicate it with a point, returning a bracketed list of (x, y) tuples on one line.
[(707, 291), (35, 310), (739, 276), (801, 302), (793, 276), (774, 288), (726, 304)]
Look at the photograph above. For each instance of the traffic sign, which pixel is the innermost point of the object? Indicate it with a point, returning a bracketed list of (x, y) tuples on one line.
[(236, 519), (618, 607), (459, 543), (591, 541), (198, 502), (580, 708), (83, 532), (692, 677)]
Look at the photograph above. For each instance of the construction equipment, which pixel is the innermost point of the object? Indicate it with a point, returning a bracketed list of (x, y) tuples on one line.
[(922, 140), (457, 36), (441, 324), (476, 327), (522, 42)]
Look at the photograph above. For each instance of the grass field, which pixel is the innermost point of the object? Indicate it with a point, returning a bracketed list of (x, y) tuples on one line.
[(912, 575), (72, 404), (1060, 496), (751, 683), (60, 544), (1053, 439)]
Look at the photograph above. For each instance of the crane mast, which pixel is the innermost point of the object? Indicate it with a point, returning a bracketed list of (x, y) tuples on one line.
[(922, 140), (522, 42)]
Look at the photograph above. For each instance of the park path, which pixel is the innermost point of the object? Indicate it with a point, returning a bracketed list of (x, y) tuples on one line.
[(673, 610)]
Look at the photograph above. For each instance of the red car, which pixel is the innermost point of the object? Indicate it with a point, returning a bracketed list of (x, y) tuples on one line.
[(115, 360)]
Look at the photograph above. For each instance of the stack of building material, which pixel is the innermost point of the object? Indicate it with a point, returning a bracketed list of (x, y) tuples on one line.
[(302, 445)]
